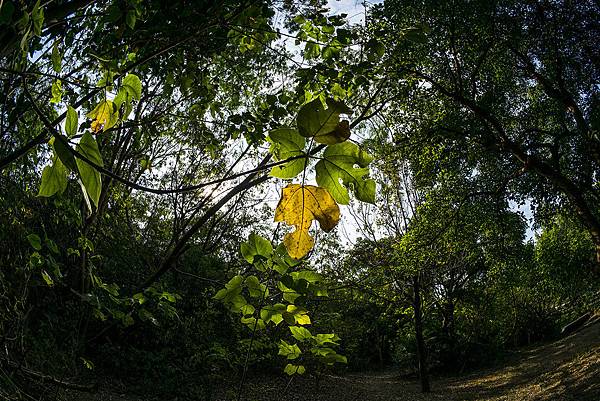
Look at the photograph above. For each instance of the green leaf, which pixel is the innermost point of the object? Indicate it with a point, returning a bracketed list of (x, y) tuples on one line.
[(62, 151), (231, 294), (300, 333), (57, 91), (308, 275), (72, 121), (54, 179), (47, 278), (235, 282), (290, 351), (121, 97), (324, 125), (273, 313), (247, 310), (294, 369), (6, 12), (232, 289), (338, 164), (133, 86), (35, 241), (288, 294), (237, 302), (56, 57), (256, 246), (37, 15), (90, 177), (130, 19), (105, 116), (323, 339), (297, 315), (52, 246), (287, 143), (256, 289), (311, 50), (415, 34), (282, 259), (252, 322)]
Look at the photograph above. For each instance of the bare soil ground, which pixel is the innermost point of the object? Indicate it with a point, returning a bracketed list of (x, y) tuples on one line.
[(567, 369)]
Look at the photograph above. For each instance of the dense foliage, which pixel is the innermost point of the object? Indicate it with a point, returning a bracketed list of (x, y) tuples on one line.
[(164, 165)]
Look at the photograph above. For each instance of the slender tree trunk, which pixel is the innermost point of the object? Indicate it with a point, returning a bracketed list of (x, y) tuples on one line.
[(421, 351), (448, 316)]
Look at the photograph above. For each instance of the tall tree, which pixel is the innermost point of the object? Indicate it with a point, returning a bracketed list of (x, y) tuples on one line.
[(508, 88)]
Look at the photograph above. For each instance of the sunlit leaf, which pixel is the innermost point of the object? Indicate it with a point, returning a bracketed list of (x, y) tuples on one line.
[(247, 310), (324, 125), (337, 171), (57, 91), (308, 275), (296, 315), (54, 179), (290, 351), (288, 294), (282, 260), (256, 246), (323, 339), (56, 57), (253, 322), (299, 206), (287, 143), (90, 177), (273, 313), (72, 121), (300, 333), (47, 278), (133, 86), (104, 115)]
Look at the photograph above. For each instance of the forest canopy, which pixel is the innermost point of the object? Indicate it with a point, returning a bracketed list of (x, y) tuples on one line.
[(199, 196)]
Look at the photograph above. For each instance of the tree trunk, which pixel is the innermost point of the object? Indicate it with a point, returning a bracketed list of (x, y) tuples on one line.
[(448, 319), (421, 351)]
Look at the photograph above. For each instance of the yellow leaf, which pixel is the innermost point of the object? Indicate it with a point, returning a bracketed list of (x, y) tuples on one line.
[(104, 115), (299, 206)]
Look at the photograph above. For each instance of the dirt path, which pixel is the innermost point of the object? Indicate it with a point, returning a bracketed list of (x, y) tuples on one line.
[(568, 369)]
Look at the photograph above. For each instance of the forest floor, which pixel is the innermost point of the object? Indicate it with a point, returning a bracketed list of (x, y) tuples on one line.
[(567, 369)]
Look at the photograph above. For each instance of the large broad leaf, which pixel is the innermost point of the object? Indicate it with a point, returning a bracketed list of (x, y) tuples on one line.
[(72, 121), (133, 86), (299, 206), (324, 125), (54, 179), (287, 143), (337, 172), (255, 288), (256, 246), (300, 333), (61, 148), (296, 315), (90, 177), (273, 313)]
